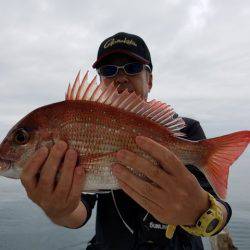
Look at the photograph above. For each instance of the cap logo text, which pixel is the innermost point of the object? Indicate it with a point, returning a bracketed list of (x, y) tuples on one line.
[(114, 41)]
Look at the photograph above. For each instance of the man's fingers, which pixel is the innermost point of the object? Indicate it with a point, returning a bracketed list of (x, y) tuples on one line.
[(155, 173), (49, 170), (32, 167), (142, 187), (67, 172), (147, 204), (77, 184), (168, 160)]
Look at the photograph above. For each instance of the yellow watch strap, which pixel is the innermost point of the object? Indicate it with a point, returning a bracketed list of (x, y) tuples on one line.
[(209, 223), (201, 228)]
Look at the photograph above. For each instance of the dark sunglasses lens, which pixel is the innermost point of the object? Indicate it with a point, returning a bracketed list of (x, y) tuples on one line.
[(108, 70), (133, 68)]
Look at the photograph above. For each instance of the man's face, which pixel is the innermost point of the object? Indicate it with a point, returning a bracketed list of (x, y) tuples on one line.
[(141, 83)]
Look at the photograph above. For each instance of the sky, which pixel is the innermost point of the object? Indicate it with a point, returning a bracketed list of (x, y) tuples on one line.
[(200, 52)]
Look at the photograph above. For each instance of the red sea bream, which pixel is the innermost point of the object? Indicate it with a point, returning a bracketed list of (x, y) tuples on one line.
[(97, 121)]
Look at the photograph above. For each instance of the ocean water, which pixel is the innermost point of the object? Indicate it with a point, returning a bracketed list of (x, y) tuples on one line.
[(23, 226)]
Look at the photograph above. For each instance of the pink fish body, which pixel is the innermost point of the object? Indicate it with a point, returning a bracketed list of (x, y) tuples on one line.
[(98, 121)]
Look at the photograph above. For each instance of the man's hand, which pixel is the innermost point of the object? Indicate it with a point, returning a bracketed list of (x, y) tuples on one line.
[(177, 198), (59, 198)]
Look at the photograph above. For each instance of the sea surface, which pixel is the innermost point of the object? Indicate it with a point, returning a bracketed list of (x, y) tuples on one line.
[(23, 226)]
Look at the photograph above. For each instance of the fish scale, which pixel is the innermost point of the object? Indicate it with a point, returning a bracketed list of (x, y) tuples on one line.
[(99, 139)]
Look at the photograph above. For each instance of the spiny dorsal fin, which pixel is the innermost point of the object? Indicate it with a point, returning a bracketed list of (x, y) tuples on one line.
[(154, 110)]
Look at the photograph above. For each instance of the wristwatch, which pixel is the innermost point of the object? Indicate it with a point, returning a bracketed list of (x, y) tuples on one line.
[(209, 223)]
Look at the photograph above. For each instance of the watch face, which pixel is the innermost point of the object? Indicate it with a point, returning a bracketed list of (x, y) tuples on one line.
[(213, 224)]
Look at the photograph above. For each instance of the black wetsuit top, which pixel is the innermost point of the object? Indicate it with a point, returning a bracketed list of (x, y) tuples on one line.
[(111, 232)]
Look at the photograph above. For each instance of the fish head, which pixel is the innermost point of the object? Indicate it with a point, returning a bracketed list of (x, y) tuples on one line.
[(21, 142)]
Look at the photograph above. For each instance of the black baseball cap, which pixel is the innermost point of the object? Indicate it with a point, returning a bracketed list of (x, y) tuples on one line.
[(124, 43)]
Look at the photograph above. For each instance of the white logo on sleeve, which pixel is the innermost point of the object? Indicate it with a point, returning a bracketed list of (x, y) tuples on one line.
[(157, 226)]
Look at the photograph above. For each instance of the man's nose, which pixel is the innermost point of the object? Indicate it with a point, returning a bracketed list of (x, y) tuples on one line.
[(121, 77)]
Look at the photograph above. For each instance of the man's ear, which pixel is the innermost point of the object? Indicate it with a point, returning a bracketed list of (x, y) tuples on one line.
[(150, 81)]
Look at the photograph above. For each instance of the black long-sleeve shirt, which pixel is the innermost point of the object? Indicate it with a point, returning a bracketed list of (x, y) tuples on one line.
[(111, 232)]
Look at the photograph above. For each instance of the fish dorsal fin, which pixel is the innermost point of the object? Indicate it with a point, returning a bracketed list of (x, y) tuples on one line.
[(154, 110)]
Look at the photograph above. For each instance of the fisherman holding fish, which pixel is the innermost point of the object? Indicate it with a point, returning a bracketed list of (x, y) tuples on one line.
[(165, 200)]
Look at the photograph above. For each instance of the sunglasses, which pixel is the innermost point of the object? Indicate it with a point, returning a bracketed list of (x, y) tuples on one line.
[(130, 69)]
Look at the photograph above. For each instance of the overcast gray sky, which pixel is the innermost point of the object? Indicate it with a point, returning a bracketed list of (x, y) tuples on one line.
[(200, 52)]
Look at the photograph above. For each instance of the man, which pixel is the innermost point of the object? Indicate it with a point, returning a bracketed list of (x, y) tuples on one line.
[(136, 216)]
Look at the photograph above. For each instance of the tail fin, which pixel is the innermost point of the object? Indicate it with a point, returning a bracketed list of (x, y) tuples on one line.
[(221, 153)]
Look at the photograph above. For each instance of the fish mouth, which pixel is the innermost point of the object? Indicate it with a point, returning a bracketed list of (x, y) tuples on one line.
[(5, 164)]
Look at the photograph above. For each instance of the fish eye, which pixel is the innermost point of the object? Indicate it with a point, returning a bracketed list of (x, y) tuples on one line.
[(21, 136)]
